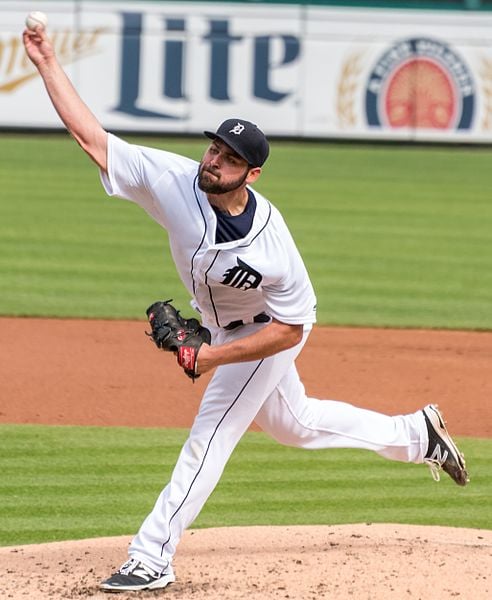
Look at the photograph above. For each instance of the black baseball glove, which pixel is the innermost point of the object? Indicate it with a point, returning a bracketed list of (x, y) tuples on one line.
[(173, 333)]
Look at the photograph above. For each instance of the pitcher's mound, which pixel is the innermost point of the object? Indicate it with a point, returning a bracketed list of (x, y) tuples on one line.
[(355, 562)]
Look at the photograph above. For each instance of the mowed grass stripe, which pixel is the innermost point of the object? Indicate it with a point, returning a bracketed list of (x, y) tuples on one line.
[(77, 482), (392, 235)]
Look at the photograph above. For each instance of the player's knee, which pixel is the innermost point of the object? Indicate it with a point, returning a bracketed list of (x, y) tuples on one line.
[(292, 438), (194, 451)]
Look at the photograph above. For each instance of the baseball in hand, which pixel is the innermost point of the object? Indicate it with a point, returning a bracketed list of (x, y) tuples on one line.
[(36, 18)]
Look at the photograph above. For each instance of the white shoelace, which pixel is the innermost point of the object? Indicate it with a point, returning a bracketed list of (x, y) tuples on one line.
[(434, 467), (134, 567)]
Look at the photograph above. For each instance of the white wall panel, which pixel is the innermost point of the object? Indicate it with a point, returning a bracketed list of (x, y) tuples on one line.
[(304, 71)]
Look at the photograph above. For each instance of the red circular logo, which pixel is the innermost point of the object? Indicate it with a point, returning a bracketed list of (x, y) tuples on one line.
[(420, 84), (420, 93)]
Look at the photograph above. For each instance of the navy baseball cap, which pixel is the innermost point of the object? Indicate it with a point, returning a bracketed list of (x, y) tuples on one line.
[(245, 138)]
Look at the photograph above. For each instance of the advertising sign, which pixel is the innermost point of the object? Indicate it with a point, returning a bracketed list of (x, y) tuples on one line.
[(295, 70)]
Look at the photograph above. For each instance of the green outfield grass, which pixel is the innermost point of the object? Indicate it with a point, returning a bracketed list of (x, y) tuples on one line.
[(78, 482), (392, 235)]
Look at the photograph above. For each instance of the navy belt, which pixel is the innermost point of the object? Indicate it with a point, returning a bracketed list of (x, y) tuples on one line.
[(261, 318)]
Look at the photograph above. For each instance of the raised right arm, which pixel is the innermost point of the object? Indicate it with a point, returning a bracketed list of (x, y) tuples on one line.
[(76, 116)]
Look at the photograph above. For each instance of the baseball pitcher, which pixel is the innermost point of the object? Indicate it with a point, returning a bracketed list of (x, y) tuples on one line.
[(238, 261)]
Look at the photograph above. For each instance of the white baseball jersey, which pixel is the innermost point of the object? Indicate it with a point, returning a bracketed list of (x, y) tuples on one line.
[(231, 281), (236, 281)]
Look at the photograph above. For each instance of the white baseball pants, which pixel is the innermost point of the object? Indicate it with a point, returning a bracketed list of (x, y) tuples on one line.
[(269, 392)]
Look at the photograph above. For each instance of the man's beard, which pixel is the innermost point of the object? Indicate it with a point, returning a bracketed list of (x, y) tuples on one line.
[(216, 187)]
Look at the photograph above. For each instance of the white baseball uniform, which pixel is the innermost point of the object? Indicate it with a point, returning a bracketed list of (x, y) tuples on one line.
[(236, 286)]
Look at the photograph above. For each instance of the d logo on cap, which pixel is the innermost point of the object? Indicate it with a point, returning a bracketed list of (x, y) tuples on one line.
[(237, 129)]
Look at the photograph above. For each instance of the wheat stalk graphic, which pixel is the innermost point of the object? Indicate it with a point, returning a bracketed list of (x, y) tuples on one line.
[(347, 87), (486, 74)]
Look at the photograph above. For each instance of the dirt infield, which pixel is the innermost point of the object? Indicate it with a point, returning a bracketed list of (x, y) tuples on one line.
[(348, 562), (107, 373)]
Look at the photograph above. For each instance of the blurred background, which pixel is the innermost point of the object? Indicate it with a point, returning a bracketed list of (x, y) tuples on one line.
[(352, 70)]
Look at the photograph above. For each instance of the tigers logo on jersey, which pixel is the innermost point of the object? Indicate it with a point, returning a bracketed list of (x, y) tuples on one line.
[(242, 277)]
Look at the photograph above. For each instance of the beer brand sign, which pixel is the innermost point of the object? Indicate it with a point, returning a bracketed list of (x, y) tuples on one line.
[(16, 69), (296, 71), (421, 83)]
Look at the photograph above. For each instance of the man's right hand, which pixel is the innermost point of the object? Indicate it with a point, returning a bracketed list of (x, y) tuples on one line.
[(38, 46)]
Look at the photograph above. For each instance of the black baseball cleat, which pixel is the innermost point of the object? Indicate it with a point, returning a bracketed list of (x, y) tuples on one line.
[(134, 576), (442, 452)]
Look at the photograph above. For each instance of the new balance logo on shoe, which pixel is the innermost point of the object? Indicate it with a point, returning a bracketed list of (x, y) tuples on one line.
[(438, 456), (442, 452)]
